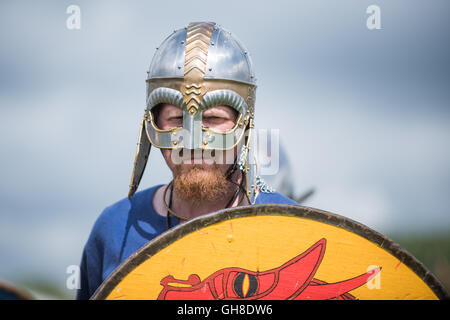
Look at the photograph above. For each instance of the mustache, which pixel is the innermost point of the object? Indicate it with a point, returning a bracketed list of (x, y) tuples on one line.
[(200, 156), (183, 169), (196, 154), (196, 157)]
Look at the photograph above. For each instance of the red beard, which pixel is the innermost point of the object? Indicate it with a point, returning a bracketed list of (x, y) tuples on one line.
[(195, 183)]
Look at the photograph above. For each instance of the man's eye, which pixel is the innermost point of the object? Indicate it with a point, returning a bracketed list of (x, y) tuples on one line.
[(213, 118)]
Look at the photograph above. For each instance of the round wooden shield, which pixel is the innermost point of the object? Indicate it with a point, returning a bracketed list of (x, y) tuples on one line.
[(276, 252)]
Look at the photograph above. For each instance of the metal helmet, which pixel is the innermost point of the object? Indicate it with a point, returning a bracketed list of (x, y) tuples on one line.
[(195, 68)]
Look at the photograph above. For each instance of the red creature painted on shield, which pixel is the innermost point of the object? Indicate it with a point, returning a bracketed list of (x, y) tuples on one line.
[(294, 280)]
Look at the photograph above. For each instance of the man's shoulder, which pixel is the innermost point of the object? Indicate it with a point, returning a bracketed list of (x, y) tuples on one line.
[(117, 213), (274, 197)]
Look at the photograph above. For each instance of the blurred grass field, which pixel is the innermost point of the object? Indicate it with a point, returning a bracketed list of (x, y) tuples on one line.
[(432, 249)]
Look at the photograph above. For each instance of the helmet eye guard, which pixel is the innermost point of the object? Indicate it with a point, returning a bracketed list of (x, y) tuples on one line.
[(197, 131)]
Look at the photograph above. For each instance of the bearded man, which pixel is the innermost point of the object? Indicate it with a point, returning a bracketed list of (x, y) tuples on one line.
[(200, 113)]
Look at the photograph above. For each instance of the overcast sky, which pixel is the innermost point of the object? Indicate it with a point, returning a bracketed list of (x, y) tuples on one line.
[(364, 115)]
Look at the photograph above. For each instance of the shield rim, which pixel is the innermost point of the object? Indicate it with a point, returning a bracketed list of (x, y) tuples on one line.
[(15, 291), (167, 238)]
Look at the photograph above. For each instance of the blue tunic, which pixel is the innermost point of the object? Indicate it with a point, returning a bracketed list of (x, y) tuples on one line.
[(125, 227)]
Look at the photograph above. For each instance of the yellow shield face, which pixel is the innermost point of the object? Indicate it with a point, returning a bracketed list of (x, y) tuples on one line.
[(271, 252)]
